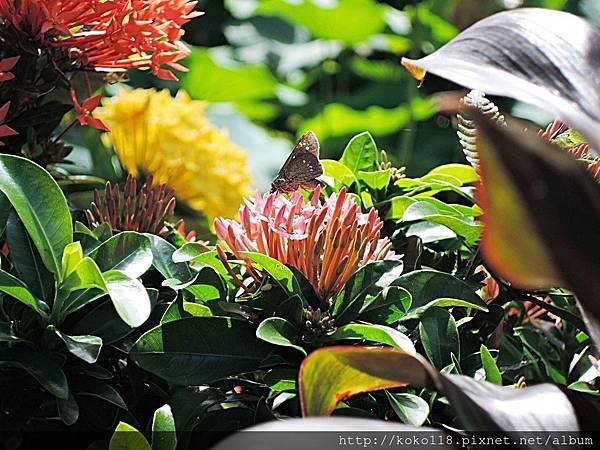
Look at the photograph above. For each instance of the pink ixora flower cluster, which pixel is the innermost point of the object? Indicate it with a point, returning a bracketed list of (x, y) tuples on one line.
[(105, 35), (326, 241)]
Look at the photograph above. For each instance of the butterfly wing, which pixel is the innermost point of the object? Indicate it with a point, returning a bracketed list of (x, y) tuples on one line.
[(302, 168)]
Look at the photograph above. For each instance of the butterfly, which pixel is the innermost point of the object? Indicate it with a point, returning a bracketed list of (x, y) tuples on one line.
[(302, 168)]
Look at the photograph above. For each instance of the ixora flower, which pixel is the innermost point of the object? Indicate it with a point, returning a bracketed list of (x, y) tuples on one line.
[(104, 35), (326, 241), (171, 139)]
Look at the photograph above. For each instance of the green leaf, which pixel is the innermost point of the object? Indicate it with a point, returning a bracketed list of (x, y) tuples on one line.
[(200, 350), (85, 347), (439, 336), (164, 435), (40, 366), (19, 291), (465, 173), (278, 331), (103, 321), (127, 437), (340, 174), (188, 252), (85, 275), (349, 21), (465, 227), (361, 153), (427, 285), (362, 287), (374, 333), (280, 273), (340, 120), (162, 259), (378, 179), (129, 298), (410, 409), (388, 307), (416, 313), (129, 252), (492, 373), (68, 409), (41, 206), (102, 391), (211, 78)]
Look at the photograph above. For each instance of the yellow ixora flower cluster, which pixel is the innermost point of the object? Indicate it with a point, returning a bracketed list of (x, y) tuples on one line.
[(171, 139)]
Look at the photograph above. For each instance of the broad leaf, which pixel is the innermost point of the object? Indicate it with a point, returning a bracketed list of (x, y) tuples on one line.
[(388, 307), (127, 437), (361, 154), (538, 56), (41, 206), (129, 252), (528, 184), (199, 350), (278, 331), (163, 429), (85, 347), (129, 298), (18, 290), (277, 270), (492, 373), (40, 366), (427, 285), (410, 409), (162, 259), (373, 333), (439, 336)]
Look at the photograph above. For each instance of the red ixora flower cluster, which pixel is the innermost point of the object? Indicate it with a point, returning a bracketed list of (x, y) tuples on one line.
[(327, 241), (106, 35)]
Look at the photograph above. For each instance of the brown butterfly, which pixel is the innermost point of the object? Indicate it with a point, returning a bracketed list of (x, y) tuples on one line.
[(302, 168)]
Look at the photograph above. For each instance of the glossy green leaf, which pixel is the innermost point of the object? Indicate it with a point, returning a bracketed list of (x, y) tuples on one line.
[(361, 153), (102, 391), (465, 173), (19, 291), (41, 206), (439, 336), (40, 366), (164, 435), (426, 285), (409, 408), (127, 437), (362, 287), (27, 262), (492, 373), (278, 331), (162, 259), (129, 252), (188, 252), (129, 298), (199, 350), (277, 270), (85, 347), (388, 307), (416, 313), (374, 333)]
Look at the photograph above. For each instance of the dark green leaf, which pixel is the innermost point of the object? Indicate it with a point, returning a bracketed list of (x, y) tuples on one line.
[(278, 331), (162, 253), (199, 350), (45, 370), (85, 347), (388, 307), (68, 409), (41, 206), (373, 333), (18, 290), (439, 336)]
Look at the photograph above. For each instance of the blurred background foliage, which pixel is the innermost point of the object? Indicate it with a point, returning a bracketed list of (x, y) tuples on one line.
[(272, 69)]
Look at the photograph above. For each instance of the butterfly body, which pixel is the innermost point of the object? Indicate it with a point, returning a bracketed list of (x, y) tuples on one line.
[(302, 168)]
